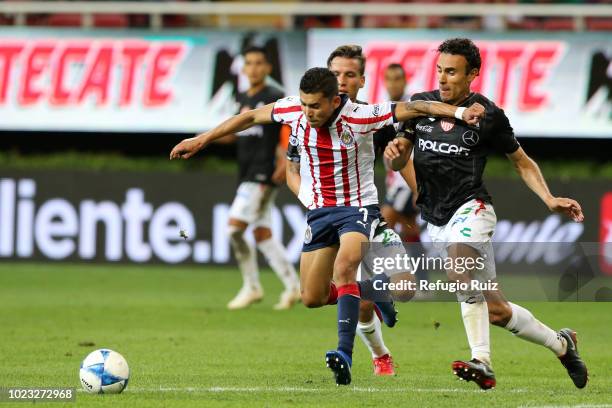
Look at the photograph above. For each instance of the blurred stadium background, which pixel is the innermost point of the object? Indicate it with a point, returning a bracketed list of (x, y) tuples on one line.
[(93, 95)]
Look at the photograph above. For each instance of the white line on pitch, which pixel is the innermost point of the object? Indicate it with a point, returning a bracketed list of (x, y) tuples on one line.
[(304, 389)]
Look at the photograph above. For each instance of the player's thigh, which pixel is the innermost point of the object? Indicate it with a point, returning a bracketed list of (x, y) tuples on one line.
[(348, 257), (464, 258), (409, 225), (263, 215), (249, 202), (316, 271), (390, 215)]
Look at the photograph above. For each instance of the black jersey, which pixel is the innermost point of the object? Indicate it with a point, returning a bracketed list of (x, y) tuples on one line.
[(257, 145), (450, 156)]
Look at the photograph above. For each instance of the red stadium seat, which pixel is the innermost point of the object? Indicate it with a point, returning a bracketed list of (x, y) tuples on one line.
[(599, 24), (64, 20), (554, 24), (110, 20)]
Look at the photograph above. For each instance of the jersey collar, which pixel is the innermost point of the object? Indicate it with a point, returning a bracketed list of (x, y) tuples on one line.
[(343, 100)]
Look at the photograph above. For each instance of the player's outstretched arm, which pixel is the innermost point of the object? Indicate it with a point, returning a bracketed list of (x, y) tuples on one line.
[(532, 176), (410, 110), (188, 147), (398, 152)]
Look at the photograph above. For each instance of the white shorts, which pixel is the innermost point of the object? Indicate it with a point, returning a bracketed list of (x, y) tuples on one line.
[(386, 244), (472, 224), (253, 204)]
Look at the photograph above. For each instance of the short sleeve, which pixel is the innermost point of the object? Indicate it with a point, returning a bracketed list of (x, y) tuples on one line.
[(293, 150), (407, 128), (502, 134), (368, 118), (287, 110), (383, 136)]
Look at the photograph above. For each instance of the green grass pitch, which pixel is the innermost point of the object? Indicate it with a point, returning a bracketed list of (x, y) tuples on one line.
[(186, 350)]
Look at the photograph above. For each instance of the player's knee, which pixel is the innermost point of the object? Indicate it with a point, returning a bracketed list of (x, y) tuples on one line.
[(365, 306), (236, 236), (261, 234), (311, 300), (499, 314)]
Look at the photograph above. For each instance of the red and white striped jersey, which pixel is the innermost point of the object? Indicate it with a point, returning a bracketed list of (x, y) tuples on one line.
[(336, 161)]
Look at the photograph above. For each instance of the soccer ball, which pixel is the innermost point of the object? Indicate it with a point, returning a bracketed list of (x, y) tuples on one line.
[(104, 371)]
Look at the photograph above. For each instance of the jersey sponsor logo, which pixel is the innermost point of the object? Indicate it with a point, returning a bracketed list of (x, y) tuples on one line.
[(447, 124), (605, 234), (459, 220), (446, 148), (346, 139), (470, 138), (424, 128), (466, 232)]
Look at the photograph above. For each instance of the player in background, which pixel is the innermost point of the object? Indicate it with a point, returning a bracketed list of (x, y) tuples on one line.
[(399, 209), (449, 160), (261, 166), (334, 137)]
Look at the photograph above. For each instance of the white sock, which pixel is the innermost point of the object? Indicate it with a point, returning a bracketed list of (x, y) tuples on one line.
[(276, 255), (246, 258), (476, 322), (371, 334), (524, 325)]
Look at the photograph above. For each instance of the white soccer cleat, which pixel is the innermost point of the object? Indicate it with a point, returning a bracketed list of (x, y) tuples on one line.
[(245, 297), (288, 298)]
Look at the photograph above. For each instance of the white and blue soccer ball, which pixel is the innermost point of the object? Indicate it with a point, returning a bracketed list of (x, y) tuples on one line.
[(104, 371)]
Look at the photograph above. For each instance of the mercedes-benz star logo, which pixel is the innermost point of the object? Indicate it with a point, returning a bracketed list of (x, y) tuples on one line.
[(470, 138)]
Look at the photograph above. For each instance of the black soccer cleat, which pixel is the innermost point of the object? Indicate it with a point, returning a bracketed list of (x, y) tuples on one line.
[(340, 364), (571, 360), (387, 312), (475, 370)]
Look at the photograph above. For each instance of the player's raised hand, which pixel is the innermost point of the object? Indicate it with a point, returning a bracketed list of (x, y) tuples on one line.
[(394, 149), (186, 148), (566, 206), (474, 113)]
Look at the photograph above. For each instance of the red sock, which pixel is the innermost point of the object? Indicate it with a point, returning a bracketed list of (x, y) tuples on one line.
[(333, 294), (349, 289), (412, 238)]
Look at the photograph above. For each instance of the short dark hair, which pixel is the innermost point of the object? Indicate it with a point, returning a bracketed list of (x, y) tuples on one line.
[(395, 65), (319, 80), (255, 49), (465, 47), (349, 51)]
